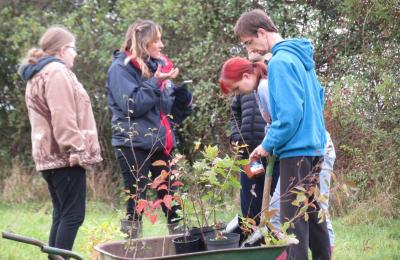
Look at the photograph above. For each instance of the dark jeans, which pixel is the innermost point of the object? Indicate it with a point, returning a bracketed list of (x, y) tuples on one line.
[(135, 165), (249, 204), (67, 187), (303, 171)]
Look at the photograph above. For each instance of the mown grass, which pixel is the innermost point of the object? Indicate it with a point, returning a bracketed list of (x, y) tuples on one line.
[(377, 240)]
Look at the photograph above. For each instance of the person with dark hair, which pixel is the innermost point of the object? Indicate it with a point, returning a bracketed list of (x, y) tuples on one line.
[(234, 67), (145, 106), (64, 134), (297, 131)]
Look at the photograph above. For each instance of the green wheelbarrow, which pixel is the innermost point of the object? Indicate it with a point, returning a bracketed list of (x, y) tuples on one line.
[(163, 248), (53, 252)]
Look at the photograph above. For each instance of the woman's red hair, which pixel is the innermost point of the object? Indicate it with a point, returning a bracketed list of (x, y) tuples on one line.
[(233, 69)]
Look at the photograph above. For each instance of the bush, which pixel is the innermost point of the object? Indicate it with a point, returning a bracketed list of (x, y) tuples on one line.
[(357, 58)]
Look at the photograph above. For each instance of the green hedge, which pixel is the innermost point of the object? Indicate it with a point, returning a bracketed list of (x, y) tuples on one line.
[(357, 56)]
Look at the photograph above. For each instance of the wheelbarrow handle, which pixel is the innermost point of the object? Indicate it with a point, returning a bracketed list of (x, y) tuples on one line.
[(54, 252), (27, 240), (62, 252)]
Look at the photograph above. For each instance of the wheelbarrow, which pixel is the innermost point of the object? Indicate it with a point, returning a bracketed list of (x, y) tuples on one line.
[(53, 252), (163, 248)]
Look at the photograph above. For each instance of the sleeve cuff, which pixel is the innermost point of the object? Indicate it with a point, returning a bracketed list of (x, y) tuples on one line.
[(267, 146)]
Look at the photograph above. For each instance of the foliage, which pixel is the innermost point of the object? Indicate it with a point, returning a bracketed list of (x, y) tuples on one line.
[(168, 181), (357, 56), (212, 178), (20, 187), (99, 232)]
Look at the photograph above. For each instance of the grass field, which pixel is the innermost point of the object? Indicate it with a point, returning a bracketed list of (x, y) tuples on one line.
[(380, 240)]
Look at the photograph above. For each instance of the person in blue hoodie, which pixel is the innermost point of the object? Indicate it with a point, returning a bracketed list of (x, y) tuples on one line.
[(297, 131), (145, 107)]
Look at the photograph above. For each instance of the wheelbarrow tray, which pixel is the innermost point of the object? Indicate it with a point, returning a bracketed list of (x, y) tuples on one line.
[(163, 248)]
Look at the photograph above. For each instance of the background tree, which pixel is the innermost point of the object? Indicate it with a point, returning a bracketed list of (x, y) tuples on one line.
[(357, 57)]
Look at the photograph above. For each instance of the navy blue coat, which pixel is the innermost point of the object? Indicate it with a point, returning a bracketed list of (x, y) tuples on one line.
[(247, 122), (135, 103)]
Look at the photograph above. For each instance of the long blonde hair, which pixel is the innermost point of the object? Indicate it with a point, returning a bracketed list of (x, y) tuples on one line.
[(137, 37), (52, 40)]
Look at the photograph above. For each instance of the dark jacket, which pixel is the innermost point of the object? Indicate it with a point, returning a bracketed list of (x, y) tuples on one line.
[(135, 103), (247, 120)]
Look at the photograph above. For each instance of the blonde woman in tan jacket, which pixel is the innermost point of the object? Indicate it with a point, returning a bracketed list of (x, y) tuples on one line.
[(64, 135)]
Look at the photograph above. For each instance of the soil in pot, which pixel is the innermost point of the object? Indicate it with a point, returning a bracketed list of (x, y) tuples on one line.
[(187, 244), (231, 241)]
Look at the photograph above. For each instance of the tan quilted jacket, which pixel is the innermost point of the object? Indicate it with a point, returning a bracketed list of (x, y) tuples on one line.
[(61, 118)]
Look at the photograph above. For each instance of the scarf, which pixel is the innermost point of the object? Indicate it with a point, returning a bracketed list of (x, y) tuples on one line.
[(166, 66)]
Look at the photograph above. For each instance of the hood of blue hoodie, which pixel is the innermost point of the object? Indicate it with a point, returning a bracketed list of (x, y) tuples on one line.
[(302, 48), (27, 71)]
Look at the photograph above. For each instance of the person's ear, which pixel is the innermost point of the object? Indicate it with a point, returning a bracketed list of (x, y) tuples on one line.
[(261, 33), (61, 52), (246, 76)]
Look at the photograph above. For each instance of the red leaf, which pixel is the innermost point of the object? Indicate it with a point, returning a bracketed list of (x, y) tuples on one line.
[(163, 187), (177, 183), (167, 201), (164, 175), (141, 205), (157, 204), (147, 213), (153, 218), (156, 183)]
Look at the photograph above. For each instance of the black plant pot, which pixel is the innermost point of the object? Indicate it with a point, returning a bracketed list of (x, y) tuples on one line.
[(202, 233), (231, 241), (186, 244)]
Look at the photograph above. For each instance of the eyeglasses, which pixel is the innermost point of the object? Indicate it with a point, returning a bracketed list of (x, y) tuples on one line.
[(73, 48)]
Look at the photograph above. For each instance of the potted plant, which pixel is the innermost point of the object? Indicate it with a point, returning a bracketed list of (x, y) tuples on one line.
[(213, 177), (186, 243)]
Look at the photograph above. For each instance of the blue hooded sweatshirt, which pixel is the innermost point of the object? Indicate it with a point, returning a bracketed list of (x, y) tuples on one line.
[(297, 102)]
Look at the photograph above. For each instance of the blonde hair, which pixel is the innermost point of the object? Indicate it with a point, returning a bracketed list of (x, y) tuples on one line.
[(53, 39), (137, 37)]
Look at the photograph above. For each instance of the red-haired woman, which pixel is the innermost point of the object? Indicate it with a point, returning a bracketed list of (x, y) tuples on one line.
[(243, 76), (239, 75)]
